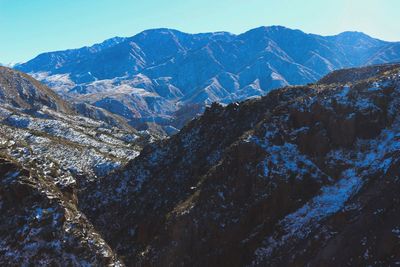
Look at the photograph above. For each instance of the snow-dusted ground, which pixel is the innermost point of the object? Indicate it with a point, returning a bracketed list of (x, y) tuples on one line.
[(65, 145)]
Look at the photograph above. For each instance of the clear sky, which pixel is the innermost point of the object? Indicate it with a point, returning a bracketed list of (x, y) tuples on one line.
[(29, 27)]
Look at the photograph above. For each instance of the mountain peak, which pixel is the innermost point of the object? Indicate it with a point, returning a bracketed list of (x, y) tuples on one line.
[(354, 37), (108, 43), (166, 31), (353, 34), (159, 31), (275, 31), (272, 28)]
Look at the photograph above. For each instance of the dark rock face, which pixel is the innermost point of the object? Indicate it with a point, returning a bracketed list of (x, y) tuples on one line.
[(303, 176)]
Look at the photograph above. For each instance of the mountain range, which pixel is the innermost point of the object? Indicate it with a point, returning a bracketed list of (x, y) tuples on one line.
[(160, 74)]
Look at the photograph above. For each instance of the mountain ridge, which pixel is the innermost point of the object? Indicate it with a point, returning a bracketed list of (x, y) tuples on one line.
[(153, 74), (20, 89)]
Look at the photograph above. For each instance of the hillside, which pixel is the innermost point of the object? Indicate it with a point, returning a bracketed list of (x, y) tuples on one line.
[(41, 226), (22, 91)]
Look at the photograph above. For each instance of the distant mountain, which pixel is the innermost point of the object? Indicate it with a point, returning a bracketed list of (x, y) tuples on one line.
[(150, 76)]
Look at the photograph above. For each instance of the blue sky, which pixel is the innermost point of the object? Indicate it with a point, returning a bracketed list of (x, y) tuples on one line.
[(29, 27)]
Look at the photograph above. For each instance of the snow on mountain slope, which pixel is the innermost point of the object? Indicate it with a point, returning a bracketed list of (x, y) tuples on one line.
[(21, 90), (41, 225)]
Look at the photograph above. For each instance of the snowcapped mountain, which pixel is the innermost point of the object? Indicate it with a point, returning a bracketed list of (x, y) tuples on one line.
[(150, 76)]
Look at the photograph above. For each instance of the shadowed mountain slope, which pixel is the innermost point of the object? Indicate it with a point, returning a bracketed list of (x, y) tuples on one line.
[(304, 176)]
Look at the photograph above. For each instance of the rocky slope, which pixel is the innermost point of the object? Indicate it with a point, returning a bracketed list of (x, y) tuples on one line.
[(21, 91), (305, 176), (148, 77), (47, 154), (41, 226)]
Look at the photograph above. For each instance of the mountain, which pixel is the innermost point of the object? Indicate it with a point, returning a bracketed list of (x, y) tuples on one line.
[(152, 75), (21, 91), (305, 176)]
